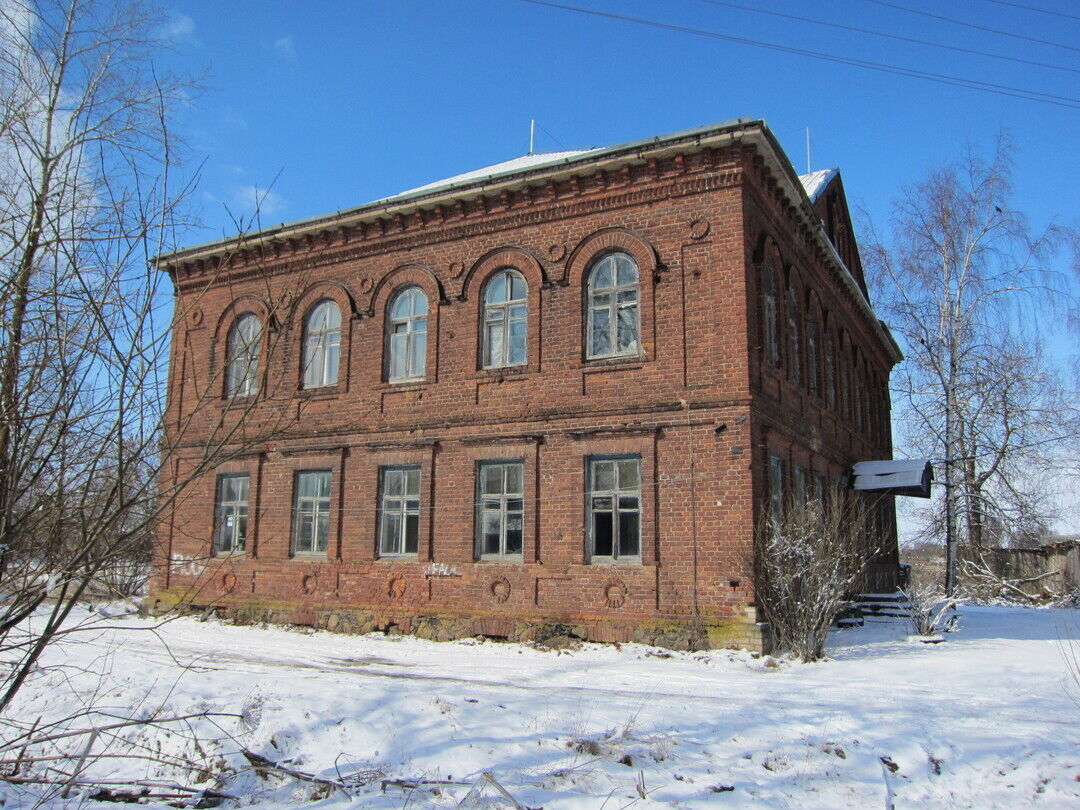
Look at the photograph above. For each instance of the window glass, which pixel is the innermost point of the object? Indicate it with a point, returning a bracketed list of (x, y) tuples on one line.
[(322, 345), (614, 326), (230, 533), (769, 314), (500, 506), (505, 320), (399, 511), (311, 512), (407, 335), (614, 506), (242, 357)]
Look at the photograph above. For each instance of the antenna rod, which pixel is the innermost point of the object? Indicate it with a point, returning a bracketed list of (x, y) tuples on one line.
[(532, 134)]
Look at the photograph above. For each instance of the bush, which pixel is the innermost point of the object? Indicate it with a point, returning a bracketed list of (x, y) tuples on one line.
[(805, 566)]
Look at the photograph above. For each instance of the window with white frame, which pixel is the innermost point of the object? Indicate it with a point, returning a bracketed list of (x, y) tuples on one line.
[(613, 322), (614, 508), (311, 512), (407, 335), (500, 508), (242, 356), (776, 490), (506, 310), (399, 511), (231, 520), (768, 281), (322, 345)]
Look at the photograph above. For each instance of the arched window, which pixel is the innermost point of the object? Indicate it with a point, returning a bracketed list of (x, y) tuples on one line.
[(811, 349), (792, 335), (322, 345), (830, 373), (506, 310), (614, 325), (407, 335), (242, 357), (768, 281)]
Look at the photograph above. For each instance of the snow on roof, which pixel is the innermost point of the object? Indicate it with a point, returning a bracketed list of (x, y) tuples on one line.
[(815, 182), (518, 164)]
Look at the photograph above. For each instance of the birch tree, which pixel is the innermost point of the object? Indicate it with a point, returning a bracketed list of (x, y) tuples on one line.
[(88, 195), (970, 290)]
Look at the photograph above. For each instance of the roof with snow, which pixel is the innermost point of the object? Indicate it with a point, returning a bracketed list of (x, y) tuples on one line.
[(536, 160), (815, 182)]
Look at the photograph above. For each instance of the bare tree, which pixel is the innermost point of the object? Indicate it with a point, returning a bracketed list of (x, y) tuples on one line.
[(87, 198), (966, 284), (806, 565)]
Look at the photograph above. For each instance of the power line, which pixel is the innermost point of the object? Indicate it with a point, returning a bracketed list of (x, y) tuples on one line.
[(971, 25), (958, 81), (899, 37), (1033, 8)]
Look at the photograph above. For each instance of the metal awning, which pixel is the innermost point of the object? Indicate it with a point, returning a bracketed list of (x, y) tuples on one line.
[(896, 477)]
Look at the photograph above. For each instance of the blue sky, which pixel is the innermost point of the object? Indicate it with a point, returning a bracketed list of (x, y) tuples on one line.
[(330, 104), (327, 104)]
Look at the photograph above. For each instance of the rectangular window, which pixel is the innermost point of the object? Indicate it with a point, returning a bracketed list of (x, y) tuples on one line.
[(311, 512), (500, 508), (798, 484), (230, 533), (776, 489), (614, 508), (399, 511), (819, 488)]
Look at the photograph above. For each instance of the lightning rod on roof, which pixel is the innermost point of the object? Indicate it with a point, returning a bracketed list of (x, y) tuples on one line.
[(532, 134), (808, 169)]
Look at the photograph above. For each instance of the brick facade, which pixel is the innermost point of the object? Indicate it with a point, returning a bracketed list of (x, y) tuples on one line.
[(697, 403)]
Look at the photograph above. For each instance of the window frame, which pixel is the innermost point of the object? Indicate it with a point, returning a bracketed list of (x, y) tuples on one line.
[(402, 511), (319, 507), (243, 352), (506, 319), (616, 495), (770, 313), (793, 348), (613, 307), (504, 509), (776, 491), (411, 335), (319, 344), (223, 506)]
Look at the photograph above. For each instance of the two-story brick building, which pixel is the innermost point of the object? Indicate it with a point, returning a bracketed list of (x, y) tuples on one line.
[(562, 390)]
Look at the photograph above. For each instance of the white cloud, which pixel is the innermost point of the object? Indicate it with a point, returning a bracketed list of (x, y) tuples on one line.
[(254, 199), (178, 26), (285, 47)]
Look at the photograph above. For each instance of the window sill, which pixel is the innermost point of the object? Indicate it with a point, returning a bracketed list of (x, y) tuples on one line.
[(323, 392), (610, 363), (621, 561), (509, 559), (414, 557), (229, 555), (403, 385), (503, 373), (238, 403), (309, 556)]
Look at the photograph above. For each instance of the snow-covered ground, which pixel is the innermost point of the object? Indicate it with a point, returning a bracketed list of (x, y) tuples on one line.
[(989, 718)]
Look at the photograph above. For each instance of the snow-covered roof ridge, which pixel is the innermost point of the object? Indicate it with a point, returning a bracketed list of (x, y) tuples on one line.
[(815, 182), (518, 164)]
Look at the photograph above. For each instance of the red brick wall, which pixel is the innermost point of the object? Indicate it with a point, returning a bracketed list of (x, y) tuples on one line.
[(690, 224)]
